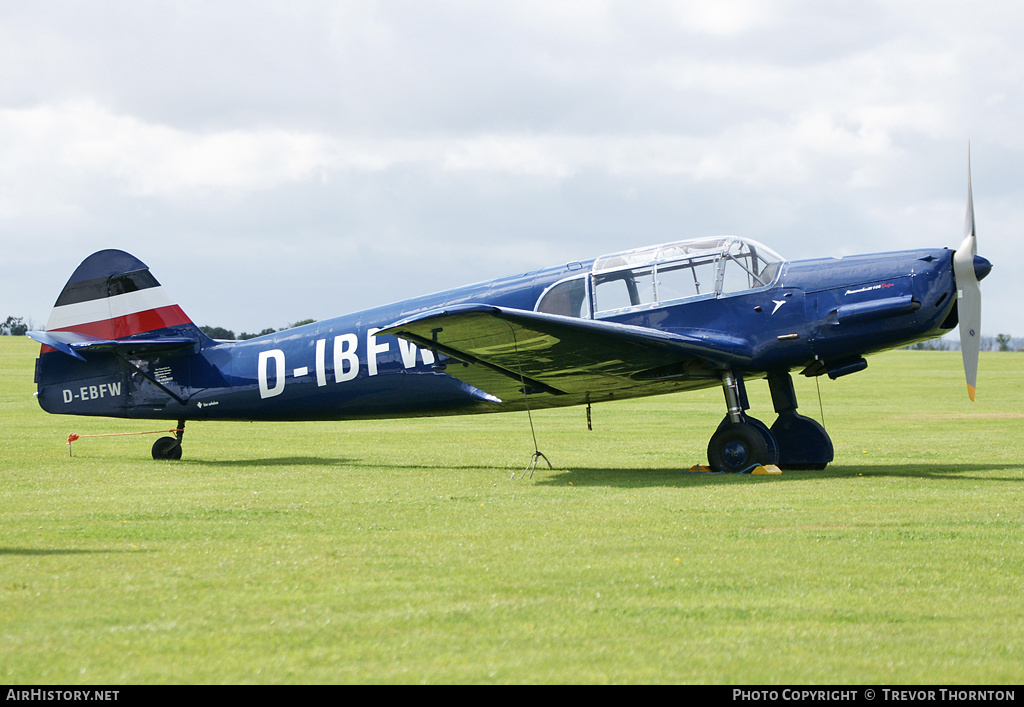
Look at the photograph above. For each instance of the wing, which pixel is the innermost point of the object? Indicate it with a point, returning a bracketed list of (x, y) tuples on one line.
[(502, 349)]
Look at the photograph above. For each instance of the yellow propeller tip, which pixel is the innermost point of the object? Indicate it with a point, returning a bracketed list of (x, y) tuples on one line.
[(970, 392)]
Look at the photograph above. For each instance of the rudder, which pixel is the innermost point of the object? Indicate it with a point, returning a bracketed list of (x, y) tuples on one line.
[(113, 295)]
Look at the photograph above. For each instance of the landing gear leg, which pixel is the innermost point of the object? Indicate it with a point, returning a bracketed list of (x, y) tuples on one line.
[(741, 441), (803, 442), (170, 447)]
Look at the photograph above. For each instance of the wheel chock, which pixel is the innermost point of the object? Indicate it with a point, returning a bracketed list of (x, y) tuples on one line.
[(759, 469)]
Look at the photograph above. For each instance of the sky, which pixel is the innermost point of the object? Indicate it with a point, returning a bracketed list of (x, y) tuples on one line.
[(279, 161)]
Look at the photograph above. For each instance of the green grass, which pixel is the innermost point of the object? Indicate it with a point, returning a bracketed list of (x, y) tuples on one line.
[(401, 551)]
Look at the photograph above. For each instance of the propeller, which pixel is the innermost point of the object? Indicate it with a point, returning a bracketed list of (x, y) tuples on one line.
[(968, 269)]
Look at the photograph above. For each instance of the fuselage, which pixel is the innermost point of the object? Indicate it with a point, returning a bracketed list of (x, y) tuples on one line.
[(818, 316)]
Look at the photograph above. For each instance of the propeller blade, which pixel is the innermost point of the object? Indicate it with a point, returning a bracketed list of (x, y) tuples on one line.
[(968, 293)]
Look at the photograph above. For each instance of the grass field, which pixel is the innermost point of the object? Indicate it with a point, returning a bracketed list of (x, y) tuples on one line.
[(401, 551)]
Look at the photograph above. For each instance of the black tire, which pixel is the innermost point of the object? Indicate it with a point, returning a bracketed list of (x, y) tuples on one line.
[(736, 447), (769, 438), (166, 448)]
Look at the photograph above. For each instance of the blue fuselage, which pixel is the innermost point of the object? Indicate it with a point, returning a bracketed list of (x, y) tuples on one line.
[(819, 316)]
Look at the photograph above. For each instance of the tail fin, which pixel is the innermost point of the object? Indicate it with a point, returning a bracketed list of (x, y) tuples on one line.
[(116, 323), (112, 295)]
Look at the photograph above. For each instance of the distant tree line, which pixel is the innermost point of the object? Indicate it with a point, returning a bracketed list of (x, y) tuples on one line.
[(17, 326), (216, 332), (999, 342), (14, 326)]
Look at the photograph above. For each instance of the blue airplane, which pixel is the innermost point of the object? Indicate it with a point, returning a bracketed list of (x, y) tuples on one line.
[(675, 317)]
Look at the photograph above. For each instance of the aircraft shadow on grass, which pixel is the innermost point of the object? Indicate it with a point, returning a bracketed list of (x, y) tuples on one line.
[(634, 478), (335, 463), (46, 552), (646, 477), (273, 461)]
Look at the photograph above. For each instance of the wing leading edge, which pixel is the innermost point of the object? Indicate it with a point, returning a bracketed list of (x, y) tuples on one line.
[(501, 349)]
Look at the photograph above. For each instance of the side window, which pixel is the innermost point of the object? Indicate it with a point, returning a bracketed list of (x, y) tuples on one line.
[(567, 298), (744, 269), (643, 278), (613, 291), (736, 277), (687, 279), (624, 288)]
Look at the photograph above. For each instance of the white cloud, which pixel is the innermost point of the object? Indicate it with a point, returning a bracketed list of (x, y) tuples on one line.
[(81, 139), (723, 18), (398, 135)]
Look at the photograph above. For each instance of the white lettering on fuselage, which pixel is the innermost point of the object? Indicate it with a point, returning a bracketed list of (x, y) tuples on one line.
[(869, 288), (272, 378), (92, 392), (266, 391), (321, 362), (374, 346), (346, 360)]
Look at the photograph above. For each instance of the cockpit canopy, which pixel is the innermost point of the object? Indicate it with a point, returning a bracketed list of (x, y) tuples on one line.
[(647, 277)]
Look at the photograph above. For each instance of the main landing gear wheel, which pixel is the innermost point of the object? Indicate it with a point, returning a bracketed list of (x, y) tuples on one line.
[(167, 448), (772, 457), (736, 447)]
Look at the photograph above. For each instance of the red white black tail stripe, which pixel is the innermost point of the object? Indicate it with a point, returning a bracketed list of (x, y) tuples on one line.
[(112, 295)]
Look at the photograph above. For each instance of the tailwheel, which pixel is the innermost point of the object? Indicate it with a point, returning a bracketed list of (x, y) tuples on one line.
[(167, 448), (736, 447)]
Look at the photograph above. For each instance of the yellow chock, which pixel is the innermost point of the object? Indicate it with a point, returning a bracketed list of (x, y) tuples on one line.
[(769, 469), (698, 469)]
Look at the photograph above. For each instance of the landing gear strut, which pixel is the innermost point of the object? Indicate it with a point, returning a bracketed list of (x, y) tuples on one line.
[(741, 441), (170, 447)]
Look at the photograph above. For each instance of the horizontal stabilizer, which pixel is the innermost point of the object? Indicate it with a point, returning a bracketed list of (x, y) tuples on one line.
[(70, 343)]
